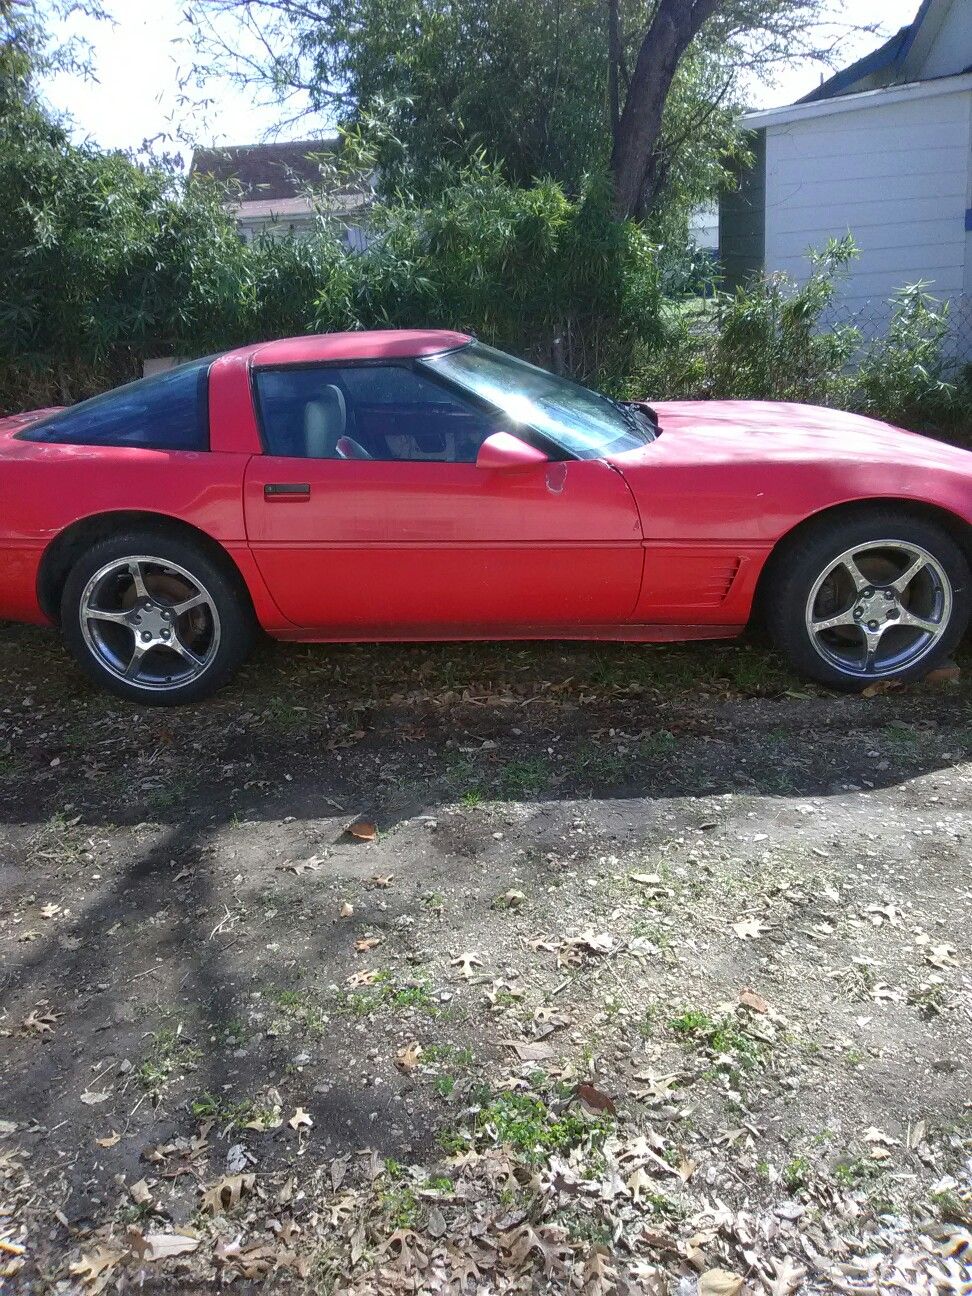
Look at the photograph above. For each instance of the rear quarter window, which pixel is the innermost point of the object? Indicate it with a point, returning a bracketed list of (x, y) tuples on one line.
[(169, 411)]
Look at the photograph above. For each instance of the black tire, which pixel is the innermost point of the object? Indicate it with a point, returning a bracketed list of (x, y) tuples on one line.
[(223, 626), (801, 563)]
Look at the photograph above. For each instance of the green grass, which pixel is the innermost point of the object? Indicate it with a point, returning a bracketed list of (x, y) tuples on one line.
[(523, 778), (386, 993), (170, 1052), (720, 1036), (527, 1126)]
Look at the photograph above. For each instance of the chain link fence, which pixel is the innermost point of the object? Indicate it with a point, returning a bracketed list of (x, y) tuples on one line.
[(871, 319)]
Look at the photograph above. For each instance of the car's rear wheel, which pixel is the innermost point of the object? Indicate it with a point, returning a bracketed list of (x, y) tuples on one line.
[(155, 618), (868, 595)]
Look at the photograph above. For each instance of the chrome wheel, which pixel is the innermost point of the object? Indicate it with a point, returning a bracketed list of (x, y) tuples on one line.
[(150, 622), (879, 608)]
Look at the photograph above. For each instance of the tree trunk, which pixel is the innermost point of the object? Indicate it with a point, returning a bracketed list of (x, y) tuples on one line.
[(614, 70), (674, 27)]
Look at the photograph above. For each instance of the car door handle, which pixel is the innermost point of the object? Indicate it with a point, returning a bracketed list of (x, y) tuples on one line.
[(286, 492)]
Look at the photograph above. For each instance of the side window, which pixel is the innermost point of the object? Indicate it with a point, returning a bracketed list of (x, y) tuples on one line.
[(386, 412), (169, 411)]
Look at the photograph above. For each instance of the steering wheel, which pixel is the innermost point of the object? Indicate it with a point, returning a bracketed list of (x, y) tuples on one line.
[(348, 448)]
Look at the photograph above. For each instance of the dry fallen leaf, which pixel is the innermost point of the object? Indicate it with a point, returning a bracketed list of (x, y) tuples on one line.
[(366, 977), (140, 1193), (347, 910), (943, 674), (50, 910), (531, 1051), (40, 1021), (365, 943), (749, 929), (720, 1282), (225, 1193), (91, 1099), (788, 1277), (362, 830), (465, 963), (94, 1268), (161, 1246), (301, 1120), (407, 1058), (753, 1001), (383, 881), (593, 1101), (109, 1140)]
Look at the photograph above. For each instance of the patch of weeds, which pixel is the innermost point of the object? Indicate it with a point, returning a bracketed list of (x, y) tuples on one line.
[(856, 1173), (720, 1036), (472, 798), (299, 1010), (796, 1173), (449, 1053), (169, 1053), (521, 778), (951, 1208), (854, 1057), (171, 794), (648, 1022), (385, 992), (658, 742), (235, 1033), (930, 999), (401, 1205), (444, 1085), (224, 1111), (898, 734), (532, 1131), (283, 716)]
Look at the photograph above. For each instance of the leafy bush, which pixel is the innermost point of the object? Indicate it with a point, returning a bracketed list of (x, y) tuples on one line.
[(529, 270), (775, 339), (906, 376), (767, 341)]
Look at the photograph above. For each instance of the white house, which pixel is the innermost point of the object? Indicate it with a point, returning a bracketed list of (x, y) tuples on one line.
[(282, 189), (883, 150)]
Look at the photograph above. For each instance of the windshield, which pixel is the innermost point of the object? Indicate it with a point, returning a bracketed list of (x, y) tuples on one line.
[(580, 421)]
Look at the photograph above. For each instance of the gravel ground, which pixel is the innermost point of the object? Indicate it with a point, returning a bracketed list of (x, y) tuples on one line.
[(642, 970)]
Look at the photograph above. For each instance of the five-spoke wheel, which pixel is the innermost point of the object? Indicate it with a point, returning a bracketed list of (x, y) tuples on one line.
[(150, 622), (155, 617), (869, 595)]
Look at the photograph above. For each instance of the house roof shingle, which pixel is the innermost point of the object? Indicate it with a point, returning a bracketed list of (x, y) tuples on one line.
[(265, 171)]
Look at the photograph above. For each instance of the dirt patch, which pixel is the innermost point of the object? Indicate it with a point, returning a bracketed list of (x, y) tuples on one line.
[(658, 966)]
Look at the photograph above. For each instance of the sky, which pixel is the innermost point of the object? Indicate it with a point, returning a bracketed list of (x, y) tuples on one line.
[(140, 59)]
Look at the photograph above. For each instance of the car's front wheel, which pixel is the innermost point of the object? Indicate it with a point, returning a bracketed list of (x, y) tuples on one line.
[(155, 618), (868, 595)]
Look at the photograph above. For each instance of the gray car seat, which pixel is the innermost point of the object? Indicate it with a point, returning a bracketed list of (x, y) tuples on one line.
[(325, 422)]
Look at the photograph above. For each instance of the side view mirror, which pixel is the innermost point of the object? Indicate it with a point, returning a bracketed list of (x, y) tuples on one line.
[(503, 450)]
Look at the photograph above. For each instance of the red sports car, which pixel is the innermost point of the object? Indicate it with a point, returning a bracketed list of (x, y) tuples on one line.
[(421, 486)]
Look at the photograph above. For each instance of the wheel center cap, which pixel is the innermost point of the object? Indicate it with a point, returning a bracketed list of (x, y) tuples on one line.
[(152, 624), (877, 605)]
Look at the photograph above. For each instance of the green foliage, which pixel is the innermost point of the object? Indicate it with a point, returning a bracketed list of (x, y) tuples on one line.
[(766, 341), (775, 339), (519, 267), (524, 1123), (905, 376)]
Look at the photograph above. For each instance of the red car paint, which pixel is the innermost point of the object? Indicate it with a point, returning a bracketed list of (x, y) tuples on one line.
[(664, 542)]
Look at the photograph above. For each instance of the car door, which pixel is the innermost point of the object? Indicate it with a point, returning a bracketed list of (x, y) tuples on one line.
[(416, 539)]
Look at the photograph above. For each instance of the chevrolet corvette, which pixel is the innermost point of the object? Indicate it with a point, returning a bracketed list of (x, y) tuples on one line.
[(418, 485)]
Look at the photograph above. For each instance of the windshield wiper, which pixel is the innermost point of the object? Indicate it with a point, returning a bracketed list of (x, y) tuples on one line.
[(637, 418)]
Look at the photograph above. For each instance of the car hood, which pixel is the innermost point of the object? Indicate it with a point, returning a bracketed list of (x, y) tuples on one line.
[(752, 470), (780, 432)]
